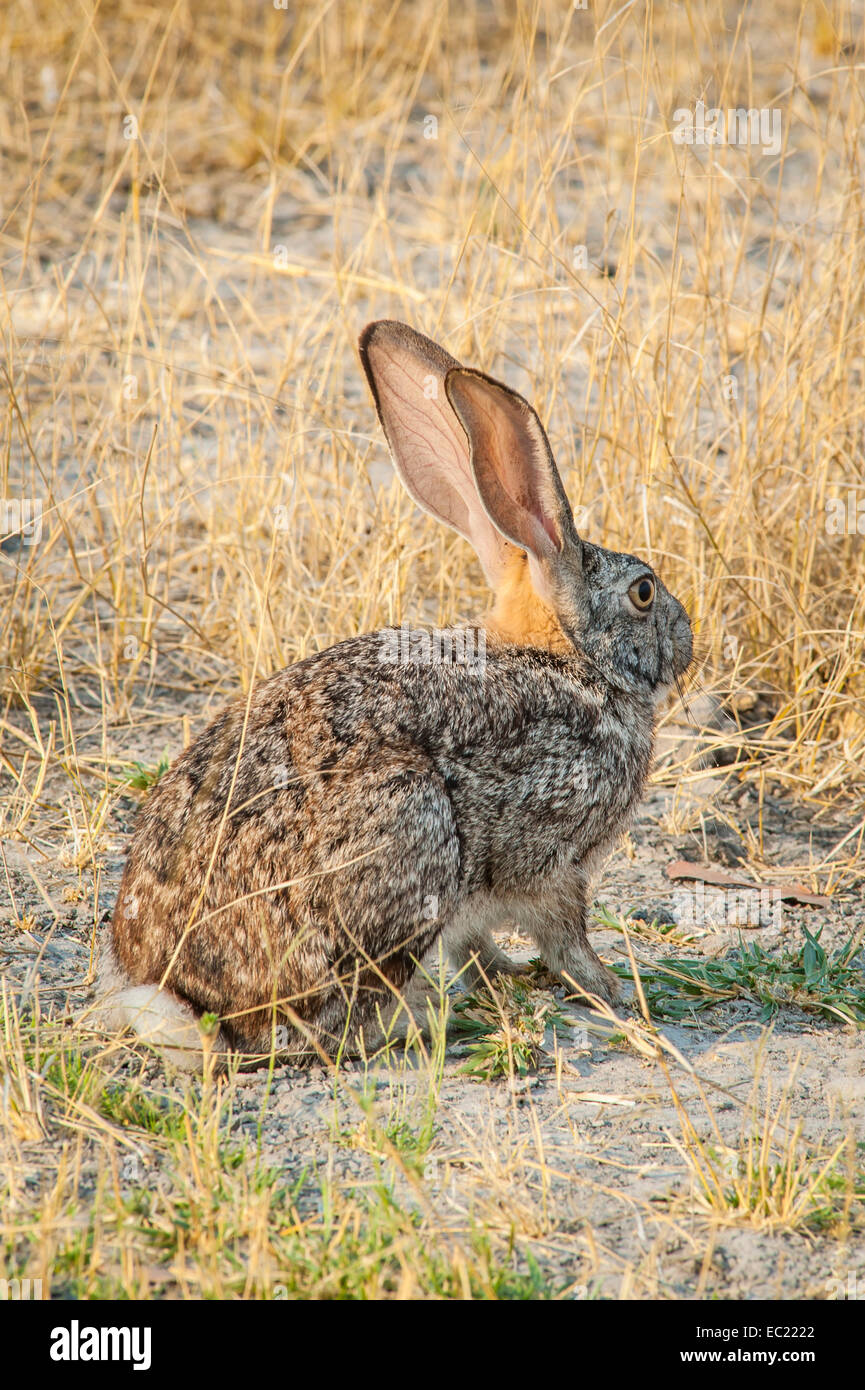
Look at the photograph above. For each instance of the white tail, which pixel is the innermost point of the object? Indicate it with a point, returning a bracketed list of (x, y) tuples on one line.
[(157, 1016)]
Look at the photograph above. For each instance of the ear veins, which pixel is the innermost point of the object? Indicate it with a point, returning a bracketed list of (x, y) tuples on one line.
[(520, 615)]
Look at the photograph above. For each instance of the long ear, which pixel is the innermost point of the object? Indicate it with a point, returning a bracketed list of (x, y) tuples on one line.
[(513, 466), (406, 373)]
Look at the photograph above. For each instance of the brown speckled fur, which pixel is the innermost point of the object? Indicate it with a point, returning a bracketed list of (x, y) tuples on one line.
[(303, 854)]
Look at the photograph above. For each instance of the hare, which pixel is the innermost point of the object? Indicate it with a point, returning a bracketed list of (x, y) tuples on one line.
[(292, 870)]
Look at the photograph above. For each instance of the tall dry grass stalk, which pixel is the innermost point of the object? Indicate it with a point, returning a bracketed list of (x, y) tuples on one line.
[(202, 205)]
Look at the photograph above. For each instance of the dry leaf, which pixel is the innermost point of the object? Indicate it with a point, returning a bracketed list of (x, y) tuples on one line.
[(722, 878)]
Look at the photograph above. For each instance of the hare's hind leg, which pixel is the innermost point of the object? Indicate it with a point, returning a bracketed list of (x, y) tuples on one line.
[(467, 945), (408, 1012)]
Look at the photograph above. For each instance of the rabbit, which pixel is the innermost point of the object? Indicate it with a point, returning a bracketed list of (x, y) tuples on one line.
[(368, 807)]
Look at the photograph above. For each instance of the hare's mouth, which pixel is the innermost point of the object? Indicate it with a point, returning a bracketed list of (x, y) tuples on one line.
[(683, 646), (661, 694)]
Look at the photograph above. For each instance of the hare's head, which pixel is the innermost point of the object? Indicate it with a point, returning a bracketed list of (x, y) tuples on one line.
[(474, 454)]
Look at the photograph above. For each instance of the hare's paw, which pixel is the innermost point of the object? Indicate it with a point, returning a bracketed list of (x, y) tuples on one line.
[(409, 1011), (472, 951), (583, 967), (569, 955)]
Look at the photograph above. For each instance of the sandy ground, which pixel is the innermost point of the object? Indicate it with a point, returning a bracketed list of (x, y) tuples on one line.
[(589, 1158), (588, 1147)]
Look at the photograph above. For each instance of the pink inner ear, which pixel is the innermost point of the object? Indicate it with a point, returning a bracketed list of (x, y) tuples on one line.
[(427, 442), (514, 469)]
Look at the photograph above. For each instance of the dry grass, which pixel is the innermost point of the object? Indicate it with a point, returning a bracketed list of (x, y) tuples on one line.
[(147, 1189), (201, 207)]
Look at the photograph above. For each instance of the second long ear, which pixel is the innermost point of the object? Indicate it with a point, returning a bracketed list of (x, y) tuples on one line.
[(406, 372), (513, 466)]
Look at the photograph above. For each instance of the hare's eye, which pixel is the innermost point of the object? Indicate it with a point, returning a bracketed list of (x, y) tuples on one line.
[(642, 592)]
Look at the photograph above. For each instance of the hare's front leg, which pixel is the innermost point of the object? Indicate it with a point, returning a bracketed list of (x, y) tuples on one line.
[(559, 928), (470, 946)]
